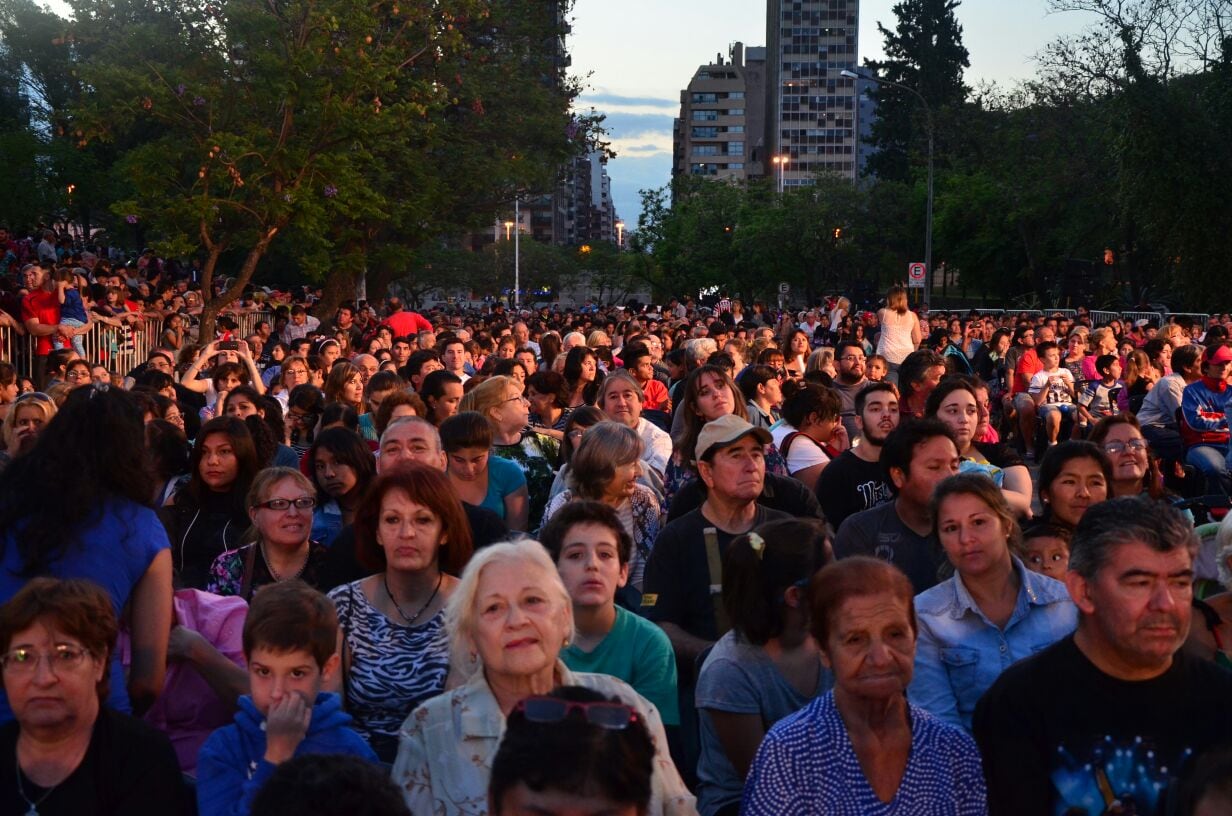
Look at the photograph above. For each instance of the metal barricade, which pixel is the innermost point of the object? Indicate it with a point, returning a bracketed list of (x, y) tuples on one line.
[(1133, 317), (990, 312), (1203, 320), (1099, 318)]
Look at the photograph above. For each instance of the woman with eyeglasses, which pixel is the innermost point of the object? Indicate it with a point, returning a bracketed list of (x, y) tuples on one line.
[(1135, 469), (67, 750), (411, 531), (500, 401), (77, 373), (507, 621), (280, 504)]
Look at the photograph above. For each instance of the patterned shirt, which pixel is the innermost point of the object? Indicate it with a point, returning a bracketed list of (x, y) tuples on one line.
[(226, 575), (536, 454), (390, 668), (806, 766)]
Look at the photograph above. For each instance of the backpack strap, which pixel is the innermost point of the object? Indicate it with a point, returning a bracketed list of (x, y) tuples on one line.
[(250, 558), (714, 564)]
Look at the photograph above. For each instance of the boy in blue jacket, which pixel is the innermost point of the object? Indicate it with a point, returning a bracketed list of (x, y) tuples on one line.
[(290, 640)]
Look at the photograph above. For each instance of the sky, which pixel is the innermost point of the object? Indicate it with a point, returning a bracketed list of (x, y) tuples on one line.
[(635, 56)]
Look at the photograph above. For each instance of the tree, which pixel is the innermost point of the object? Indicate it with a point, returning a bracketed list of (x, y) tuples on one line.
[(923, 52)]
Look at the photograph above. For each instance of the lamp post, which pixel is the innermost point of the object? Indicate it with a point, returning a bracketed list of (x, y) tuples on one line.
[(515, 227), (928, 215), (780, 163), (620, 234)]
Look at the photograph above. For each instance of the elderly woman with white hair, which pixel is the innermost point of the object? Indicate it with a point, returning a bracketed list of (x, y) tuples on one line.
[(1210, 634), (508, 620)]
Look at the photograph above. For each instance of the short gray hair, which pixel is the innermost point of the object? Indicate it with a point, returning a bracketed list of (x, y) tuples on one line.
[(1109, 524), (699, 349), (434, 434), (461, 615), (604, 447)]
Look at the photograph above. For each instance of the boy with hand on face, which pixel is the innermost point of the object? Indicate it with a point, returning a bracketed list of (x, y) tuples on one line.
[(591, 549), (290, 642)]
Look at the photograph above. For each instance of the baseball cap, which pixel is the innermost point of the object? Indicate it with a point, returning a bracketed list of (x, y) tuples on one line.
[(1213, 354), (724, 431)]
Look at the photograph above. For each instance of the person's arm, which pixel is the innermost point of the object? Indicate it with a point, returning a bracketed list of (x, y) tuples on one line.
[(227, 780), (808, 476), (151, 629), (226, 679), (8, 321), (253, 374), (739, 735), (189, 378), (1198, 416), (1038, 388), (686, 647), (917, 333), (517, 509), (1016, 487), (930, 687), (37, 329)]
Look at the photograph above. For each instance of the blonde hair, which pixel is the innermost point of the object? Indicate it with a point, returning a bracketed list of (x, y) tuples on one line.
[(46, 407), (265, 480), (598, 338), (818, 359), (896, 299), (487, 395), (461, 615), (1096, 337)]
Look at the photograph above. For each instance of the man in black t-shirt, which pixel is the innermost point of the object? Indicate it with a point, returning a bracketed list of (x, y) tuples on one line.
[(1108, 719), (855, 481), (917, 456), (676, 591)]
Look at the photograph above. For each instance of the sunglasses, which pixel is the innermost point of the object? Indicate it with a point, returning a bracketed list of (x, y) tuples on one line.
[(33, 395), (611, 716)]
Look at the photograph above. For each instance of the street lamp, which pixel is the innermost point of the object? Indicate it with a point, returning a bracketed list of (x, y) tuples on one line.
[(508, 229), (780, 162), (517, 248), (928, 216), (620, 233)]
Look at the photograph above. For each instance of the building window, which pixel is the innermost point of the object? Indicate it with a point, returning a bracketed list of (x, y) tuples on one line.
[(735, 112), (735, 148), (705, 115), (736, 95), (736, 166), (705, 97), (735, 129), (704, 169), (706, 150), (705, 132)]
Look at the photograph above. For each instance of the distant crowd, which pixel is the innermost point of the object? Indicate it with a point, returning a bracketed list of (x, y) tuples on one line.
[(663, 559)]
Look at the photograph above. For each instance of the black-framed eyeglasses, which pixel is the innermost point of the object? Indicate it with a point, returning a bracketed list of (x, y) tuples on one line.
[(612, 716), (282, 505), (1116, 448), (852, 358)]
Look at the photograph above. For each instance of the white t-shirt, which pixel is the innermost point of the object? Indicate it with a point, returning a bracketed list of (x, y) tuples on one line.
[(1059, 385), (803, 453)]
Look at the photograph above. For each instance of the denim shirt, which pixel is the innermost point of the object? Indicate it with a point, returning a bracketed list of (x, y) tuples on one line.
[(960, 653)]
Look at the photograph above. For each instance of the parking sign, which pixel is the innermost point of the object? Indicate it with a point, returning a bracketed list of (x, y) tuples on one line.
[(915, 275)]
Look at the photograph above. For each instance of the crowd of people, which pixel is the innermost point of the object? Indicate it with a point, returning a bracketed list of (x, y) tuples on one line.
[(628, 560)]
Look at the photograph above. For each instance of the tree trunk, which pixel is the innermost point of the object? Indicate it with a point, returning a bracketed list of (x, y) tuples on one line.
[(215, 305), (339, 288)]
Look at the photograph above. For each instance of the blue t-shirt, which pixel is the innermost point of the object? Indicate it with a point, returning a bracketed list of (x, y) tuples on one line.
[(114, 551), (504, 477), (73, 308)]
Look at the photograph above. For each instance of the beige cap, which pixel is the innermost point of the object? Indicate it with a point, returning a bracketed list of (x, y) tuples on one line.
[(725, 431)]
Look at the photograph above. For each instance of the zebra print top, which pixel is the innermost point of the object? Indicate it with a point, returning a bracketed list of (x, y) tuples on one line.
[(392, 668)]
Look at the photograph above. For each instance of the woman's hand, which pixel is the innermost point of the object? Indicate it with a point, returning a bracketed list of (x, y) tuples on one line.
[(182, 643), (286, 725)]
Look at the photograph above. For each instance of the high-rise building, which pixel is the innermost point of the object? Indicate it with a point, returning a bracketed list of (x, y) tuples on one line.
[(811, 118), (720, 132)]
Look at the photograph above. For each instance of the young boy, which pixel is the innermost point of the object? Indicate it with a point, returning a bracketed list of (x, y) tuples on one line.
[(1100, 398), (290, 642), (639, 362), (1052, 388), (591, 549)]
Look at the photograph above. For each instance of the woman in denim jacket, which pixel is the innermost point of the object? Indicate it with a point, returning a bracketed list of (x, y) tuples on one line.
[(990, 613)]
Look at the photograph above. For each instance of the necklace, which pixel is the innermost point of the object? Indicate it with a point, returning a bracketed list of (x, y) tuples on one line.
[(277, 578), (33, 811), (412, 618)]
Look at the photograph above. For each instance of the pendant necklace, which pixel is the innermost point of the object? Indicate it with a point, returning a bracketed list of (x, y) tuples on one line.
[(412, 618), (33, 811)]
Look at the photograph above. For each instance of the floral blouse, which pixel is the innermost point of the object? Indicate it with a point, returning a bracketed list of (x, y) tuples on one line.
[(536, 454), (226, 575), (448, 744)]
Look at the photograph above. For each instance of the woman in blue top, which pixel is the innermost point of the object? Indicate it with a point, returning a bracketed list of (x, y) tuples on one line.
[(342, 467), (480, 478), (78, 506), (862, 749), (991, 613)]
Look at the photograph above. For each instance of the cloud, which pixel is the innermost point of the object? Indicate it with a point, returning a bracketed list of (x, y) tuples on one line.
[(602, 100), (632, 173), (645, 143)]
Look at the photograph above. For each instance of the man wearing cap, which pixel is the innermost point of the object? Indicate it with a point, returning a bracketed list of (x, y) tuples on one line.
[(680, 589), (1204, 420)]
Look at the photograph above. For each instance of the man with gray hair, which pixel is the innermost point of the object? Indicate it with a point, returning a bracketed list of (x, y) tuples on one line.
[(1109, 718)]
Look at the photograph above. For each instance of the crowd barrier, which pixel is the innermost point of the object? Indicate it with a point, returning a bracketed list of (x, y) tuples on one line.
[(1203, 320), (119, 348), (1099, 318)]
